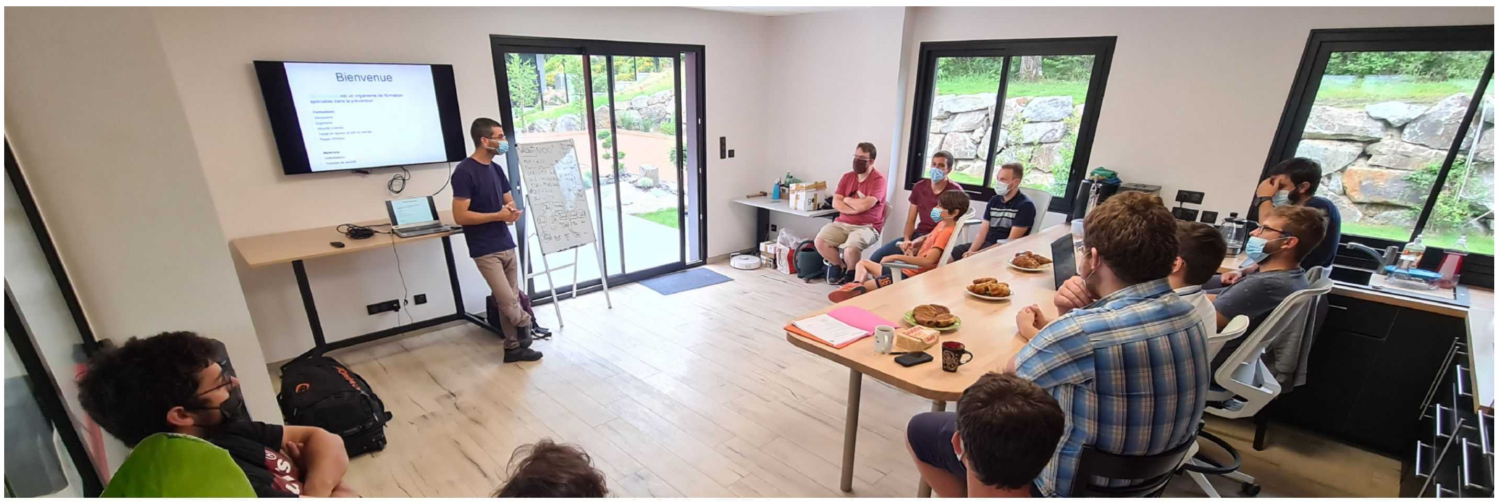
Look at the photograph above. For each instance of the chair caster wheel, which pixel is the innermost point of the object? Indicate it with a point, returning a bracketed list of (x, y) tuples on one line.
[(1250, 489)]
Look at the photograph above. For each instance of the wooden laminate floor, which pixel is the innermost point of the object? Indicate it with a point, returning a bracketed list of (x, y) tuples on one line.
[(699, 395)]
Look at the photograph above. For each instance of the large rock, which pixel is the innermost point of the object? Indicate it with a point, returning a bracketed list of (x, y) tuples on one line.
[(979, 134), (937, 125), (967, 103), (1395, 112), (934, 143), (1048, 109), (655, 113), (652, 173), (1036, 178), (1348, 211), (1045, 132), (1480, 190), (1485, 152), (1488, 109), (663, 96), (937, 108), (1333, 183), (1013, 107), (1327, 122), (601, 117), (568, 123), (539, 125), (1439, 125), (1396, 154), (640, 102), (973, 168), (1332, 155), (1381, 186), (1078, 111), (958, 144), (1396, 216), (967, 121), (1041, 158)]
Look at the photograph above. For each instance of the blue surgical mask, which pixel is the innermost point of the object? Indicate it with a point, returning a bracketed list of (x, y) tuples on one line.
[(937, 214), (936, 174), (1282, 198), (501, 148), (1255, 249), (1002, 187)]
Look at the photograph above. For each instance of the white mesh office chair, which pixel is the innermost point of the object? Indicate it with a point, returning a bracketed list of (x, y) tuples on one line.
[(898, 266), (1235, 329), (1316, 274), (1245, 385)]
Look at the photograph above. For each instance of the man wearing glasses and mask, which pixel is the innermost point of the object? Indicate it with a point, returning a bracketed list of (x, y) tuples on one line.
[(170, 383)]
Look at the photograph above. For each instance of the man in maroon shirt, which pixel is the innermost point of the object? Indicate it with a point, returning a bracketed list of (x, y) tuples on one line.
[(860, 201), (924, 197)]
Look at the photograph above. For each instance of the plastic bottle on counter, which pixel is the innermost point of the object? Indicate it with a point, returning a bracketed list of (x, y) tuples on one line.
[(1411, 255)]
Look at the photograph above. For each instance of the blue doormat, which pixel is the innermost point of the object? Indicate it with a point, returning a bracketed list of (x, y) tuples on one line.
[(685, 280)]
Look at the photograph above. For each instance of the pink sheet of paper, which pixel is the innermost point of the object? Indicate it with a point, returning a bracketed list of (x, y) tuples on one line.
[(861, 318)]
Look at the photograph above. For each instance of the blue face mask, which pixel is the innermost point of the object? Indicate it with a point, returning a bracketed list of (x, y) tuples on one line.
[(937, 214), (503, 147), (1282, 198), (1255, 249), (936, 174)]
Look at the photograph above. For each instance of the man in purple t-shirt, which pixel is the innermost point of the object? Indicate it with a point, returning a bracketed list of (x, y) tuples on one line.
[(482, 203), (860, 201)]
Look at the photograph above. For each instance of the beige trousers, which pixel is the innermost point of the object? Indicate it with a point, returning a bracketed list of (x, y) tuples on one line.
[(501, 270)]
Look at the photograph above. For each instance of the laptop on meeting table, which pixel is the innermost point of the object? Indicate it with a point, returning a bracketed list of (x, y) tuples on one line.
[(1063, 264), (414, 216)]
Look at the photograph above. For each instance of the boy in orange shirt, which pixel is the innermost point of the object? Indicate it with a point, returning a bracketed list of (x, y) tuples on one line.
[(924, 252)]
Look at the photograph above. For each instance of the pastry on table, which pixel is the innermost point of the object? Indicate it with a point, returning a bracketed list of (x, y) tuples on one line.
[(1028, 259), (996, 289), (933, 316), (983, 280)]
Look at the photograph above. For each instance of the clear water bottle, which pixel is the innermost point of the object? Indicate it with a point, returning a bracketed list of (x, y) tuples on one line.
[(1233, 230), (1078, 247)]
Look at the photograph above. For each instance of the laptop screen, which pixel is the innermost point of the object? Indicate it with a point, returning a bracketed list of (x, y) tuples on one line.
[(410, 211), (1063, 266)]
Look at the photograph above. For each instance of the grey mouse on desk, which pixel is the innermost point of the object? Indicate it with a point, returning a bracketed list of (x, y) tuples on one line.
[(336, 244)]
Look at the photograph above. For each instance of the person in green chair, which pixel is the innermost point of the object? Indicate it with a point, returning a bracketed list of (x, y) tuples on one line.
[(169, 383)]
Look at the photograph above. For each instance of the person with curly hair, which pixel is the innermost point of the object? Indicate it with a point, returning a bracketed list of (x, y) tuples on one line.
[(550, 470), (170, 383)]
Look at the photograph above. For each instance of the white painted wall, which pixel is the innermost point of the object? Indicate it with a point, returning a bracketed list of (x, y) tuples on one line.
[(1194, 94), (834, 85), (210, 51), (94, 120)]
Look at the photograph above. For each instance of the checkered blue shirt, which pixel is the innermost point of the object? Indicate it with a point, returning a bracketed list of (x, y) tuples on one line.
[(1130, 372)]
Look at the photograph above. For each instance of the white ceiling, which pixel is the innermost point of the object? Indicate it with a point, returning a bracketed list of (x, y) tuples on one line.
[(774, 11)]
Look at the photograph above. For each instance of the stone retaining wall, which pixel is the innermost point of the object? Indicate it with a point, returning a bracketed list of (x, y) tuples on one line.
[(1036, 131)]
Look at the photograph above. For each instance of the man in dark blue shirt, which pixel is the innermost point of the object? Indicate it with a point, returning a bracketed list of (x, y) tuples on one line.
[(1009, 214), (482, 203)]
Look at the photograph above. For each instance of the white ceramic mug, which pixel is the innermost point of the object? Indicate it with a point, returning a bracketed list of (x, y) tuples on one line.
[(885, 336)]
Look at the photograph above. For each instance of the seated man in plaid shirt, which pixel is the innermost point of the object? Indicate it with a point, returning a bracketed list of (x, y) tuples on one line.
[(1126, 358)]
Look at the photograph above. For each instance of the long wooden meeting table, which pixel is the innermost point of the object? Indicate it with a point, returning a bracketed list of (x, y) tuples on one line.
[(989, 329)]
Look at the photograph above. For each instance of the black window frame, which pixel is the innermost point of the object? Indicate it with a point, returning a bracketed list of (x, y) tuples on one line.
[(1102, 48), (1321, 44)]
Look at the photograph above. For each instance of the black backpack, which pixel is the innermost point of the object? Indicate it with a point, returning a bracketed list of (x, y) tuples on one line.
[(809, 262), (321, 392)]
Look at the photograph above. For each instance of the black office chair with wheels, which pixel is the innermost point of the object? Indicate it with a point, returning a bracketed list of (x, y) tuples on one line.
[(1149, 474)]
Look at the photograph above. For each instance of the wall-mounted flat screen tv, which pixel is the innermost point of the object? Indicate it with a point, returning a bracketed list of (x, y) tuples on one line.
[(341, 116)]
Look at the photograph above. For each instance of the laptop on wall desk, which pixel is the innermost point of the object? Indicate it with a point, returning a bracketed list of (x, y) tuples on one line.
[(414, 216)]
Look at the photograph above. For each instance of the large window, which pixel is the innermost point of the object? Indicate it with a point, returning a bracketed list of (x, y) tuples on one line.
[(1402, 121), (998, 101)]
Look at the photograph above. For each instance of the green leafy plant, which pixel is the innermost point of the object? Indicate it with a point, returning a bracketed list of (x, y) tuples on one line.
[(1450, 211), (520, 74), (1422, 65)]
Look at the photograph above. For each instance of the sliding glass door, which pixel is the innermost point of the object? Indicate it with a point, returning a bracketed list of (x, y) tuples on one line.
[(623, 105)]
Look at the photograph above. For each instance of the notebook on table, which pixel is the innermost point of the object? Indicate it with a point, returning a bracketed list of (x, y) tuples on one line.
[(840, 327)]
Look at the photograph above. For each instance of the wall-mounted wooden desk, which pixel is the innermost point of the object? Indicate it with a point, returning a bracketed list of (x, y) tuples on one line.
[(299, 245)]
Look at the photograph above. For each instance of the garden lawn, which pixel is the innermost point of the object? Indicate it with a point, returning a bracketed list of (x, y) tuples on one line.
[(1359, 94), (976, 84), (666, 217), (1441, 238)]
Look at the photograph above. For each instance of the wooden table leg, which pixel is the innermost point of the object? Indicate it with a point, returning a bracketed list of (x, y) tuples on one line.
[(851, 430), (924, 491)]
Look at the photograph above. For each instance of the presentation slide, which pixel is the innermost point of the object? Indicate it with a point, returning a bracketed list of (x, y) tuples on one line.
[(366, 115), (414, 210)]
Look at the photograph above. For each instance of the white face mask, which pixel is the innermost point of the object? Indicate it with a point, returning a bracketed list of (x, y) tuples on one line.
[(1002, 187)]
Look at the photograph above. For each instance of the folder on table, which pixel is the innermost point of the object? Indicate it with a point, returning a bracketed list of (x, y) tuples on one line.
[(827, 330)]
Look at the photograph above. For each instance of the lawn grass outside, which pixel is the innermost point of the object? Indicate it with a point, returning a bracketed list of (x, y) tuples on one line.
[(1442, 238), (1360, 93), (976, 84), (666, 217)]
